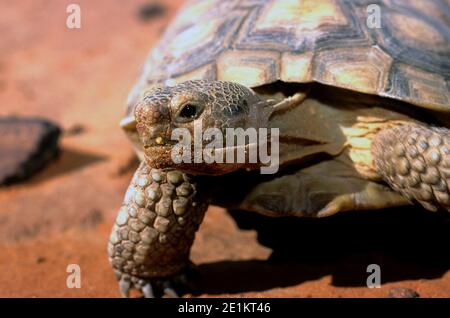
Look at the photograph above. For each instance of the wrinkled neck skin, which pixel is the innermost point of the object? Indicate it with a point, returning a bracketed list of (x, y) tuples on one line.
[(335, 123)]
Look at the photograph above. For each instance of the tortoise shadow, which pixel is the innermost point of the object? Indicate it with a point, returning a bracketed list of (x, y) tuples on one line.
[(68, 160), (407, 243)]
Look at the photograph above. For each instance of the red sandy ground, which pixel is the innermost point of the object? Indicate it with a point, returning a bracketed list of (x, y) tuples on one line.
[(64, 214)]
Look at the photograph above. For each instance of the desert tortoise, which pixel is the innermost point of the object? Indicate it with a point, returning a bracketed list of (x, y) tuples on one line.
[(361, 110)]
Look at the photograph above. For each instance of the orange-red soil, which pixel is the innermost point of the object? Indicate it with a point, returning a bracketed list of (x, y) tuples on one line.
[(64, 214)]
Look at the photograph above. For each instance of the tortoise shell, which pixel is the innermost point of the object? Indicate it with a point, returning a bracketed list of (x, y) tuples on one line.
[(255, 42)]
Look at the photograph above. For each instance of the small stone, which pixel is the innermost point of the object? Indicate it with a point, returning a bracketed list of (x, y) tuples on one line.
[(151, 10), (42, 259), (403, 293), (161, 224), (122, 217), (27, 144)]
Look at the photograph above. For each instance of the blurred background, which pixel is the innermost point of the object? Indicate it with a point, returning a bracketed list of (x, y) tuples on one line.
[(79, 79)]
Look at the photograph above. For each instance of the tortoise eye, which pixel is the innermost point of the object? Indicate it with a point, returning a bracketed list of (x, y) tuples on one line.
[(188, 113)]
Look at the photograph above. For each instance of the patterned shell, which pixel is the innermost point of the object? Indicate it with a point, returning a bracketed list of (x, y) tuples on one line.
[(335, 42)]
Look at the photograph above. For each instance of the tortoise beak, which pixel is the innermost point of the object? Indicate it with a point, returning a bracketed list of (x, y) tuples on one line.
[(128, 123)]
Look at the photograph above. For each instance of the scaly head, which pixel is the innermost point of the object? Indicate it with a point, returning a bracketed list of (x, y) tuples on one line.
[(196, 105)]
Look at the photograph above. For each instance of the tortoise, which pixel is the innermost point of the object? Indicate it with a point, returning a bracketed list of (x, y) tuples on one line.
[(360, 112)]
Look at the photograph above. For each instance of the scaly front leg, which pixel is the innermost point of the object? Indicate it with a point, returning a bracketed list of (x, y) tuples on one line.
[(154, 230)]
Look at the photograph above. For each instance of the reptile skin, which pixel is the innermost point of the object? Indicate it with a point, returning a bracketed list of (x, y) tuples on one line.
[(415, 161), (155, 228)]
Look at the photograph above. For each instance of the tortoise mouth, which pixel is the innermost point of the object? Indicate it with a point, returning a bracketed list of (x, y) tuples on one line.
[(220, 161)]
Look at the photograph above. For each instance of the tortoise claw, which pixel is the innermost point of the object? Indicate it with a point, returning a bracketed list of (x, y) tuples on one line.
[(169, 287), (169, 291), (124, 287), (147, 290)]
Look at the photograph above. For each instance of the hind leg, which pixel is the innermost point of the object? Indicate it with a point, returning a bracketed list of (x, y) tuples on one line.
[(415, 161)]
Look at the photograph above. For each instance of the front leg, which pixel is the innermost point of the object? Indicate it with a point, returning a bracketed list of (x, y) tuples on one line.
[(154, 230)]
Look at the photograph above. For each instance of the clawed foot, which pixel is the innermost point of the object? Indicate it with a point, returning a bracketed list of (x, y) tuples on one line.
[(170, 287), (147, 287)]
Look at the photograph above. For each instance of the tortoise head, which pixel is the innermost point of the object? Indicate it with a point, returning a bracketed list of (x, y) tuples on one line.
[(175, 124)]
